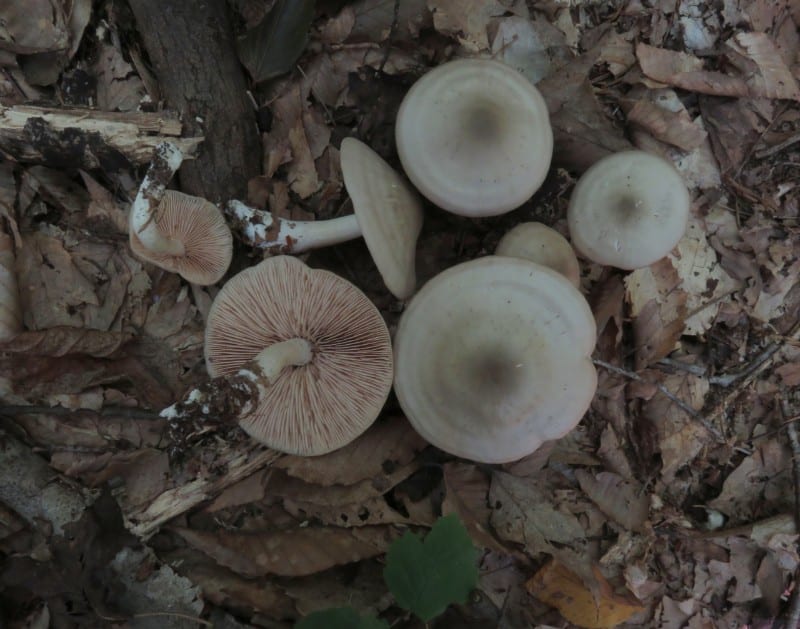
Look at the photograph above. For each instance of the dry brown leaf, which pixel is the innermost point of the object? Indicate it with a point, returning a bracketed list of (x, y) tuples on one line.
[(374, 19), (467, 494), (674, 128), (659, 309), (466, 20), (103, 207), (617, 51), (370, 512), (386, 446), (35, 26), (119, 88), (63, 341), (686, 71), (623, 501), (533, 47), (561, 588), (774, 78), (365, 591), (762, 480), (290, 553)]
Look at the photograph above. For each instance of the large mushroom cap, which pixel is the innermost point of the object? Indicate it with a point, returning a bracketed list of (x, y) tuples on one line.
[(203, 233), (492, 358), (474, 137), (327, 403), (628, 210), (388, 211), (543, 245)]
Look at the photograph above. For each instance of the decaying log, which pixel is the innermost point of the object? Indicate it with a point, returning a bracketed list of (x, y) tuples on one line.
[(231, 466), (191, 47), (87, 138)]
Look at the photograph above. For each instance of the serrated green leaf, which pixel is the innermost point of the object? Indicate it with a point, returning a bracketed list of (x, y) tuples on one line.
[(272, 47), (426, 577), (340, 618)]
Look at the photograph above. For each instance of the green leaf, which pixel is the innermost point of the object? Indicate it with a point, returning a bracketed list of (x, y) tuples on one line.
[(340, 618), (272, 47), (425, 577)]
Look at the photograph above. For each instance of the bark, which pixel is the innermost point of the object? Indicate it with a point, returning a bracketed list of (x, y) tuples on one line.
[(191, 47)]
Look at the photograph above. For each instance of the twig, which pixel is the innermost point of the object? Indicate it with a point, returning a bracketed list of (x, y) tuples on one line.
[(669, 394), (793, 612)]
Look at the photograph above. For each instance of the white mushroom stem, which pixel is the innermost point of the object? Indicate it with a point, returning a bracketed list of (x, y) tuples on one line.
[(269, 364), (166, 161), (229, 398), (261, 229)]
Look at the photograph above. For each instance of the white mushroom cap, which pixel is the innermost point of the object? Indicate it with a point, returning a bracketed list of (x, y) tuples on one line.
[(474, 137), (202, 239), (324, 404), (628, 210), (388, 212), (543, 245), (493, 358)]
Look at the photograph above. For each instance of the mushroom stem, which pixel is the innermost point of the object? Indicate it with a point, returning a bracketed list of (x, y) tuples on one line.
[(269, 364), (142, 219), (230, 398), (259, 228)]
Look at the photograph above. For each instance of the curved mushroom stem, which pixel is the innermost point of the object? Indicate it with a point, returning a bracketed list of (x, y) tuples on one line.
[(259, 228), (141, 220), (231, 398)]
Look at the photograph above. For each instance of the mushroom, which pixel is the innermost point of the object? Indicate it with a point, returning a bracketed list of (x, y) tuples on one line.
[(474, 137), (493, 358), (387, 213), (628, 210), (539, 243), (303, 356), (178, 232)]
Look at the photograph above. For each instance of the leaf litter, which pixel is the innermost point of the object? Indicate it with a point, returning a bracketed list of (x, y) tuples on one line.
[(652, 514)]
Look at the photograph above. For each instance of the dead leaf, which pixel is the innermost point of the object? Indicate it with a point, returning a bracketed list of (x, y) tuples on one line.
[(370, 512), (466, 20), (119, 88), (658, 306), (34, 27), (623, 501), (774, 79), (533, 47), (467, 494), (289, 553), (557, 586), (374, 19), (686, 71), (63, 341), (386, 446)]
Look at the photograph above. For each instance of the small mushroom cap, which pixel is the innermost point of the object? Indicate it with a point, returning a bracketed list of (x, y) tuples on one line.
[(628, 210), (206, 238), (327, 403), (474, 137), (492, 359), (543, 245), (388, 211)]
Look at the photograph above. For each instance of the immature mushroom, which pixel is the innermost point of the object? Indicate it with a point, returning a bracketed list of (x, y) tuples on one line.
[(474, 137), (493, 358), (628, 210), (175, 231), (387, 213), (543, 245), (281, 313)]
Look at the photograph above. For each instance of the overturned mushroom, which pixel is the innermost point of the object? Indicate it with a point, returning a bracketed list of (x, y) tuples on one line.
[(300, 358), (474, 137), (543, 245), (175, 231), (628, 210), (493, 358), (387, 213)]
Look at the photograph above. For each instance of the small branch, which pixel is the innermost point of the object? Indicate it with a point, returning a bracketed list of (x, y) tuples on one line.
[(669, 394)]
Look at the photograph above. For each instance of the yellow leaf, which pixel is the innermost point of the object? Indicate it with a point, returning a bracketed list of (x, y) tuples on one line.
[(558, 586)]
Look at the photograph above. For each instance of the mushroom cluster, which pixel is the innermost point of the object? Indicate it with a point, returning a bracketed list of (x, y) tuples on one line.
[(491, 357)]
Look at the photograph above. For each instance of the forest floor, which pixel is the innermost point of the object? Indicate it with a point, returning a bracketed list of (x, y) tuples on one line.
[(673, 503)]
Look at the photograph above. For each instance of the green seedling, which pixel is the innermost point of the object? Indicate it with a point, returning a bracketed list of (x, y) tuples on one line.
[(425, 576)]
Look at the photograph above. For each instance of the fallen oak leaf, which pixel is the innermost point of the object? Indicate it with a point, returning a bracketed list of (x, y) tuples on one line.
[(561, 588)]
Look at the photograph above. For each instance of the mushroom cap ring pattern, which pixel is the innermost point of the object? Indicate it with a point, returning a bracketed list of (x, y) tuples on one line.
[(493, 358), (474, 137), (319, 407)]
